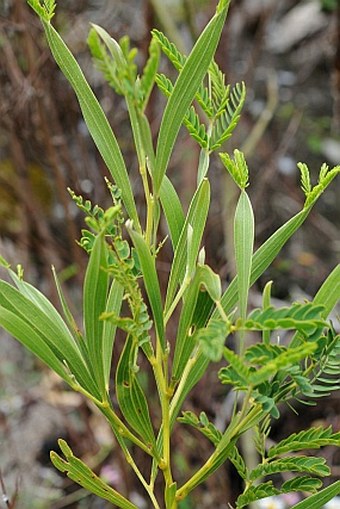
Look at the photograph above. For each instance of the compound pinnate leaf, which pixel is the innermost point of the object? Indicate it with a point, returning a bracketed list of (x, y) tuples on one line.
[(308, 464), (313, 438), (80, 473)]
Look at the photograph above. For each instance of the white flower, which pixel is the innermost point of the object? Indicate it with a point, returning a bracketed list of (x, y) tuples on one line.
[(271, 503)]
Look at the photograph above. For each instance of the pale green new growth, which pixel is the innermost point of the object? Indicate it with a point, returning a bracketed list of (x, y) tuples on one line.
[(305, 178), (124, 288), (44, 8), (237, 168), (325, 178)]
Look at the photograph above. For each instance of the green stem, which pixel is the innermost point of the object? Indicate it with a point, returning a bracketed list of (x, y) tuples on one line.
[(132, 463), (182, 386), (242, 422), (179, 295), (149, 206), (164, 396), (121, 433), (141, 150), (119, 428)]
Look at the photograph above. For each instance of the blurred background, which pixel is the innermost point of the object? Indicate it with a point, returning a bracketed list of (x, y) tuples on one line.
[(288, 53)]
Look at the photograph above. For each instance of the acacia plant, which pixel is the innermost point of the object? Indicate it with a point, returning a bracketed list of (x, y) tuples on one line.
[(264, 374)]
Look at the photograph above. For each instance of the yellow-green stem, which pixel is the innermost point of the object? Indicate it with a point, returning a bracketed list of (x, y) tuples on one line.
[(138, 473), (228, 438), (164, 395), (120, 429), (183, 382), (177, 299), (149, 205)]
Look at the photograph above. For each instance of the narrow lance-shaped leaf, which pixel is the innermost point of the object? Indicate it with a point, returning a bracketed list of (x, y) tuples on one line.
[(66, 310), (263, 257), (185, 342), (196, 217), (58, 339), (94, 302), (148, 266), (328, 295), (78, 336), (113, 305), (94, 117), (121, 64), (39, 299), (112, 46), (169, 198), (184, 91), (318, 500), (173, 210), (26, 334), (131, 398), (266, 300), (244, 241)]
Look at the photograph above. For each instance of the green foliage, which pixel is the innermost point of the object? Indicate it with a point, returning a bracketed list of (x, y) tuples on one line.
[(326, 176), (313, 438), (131, 398), (329, 5), (123, 289), (192, 122), (244, 230), (318, 500), (212, 338), (267, 489), (83, 475), (169, 49), (203, 424), (185, 89), (304, 317), (221, 105), (149, 73), (228, 112), (306, 464), (239, 463), (237, 168), (44, 8)]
